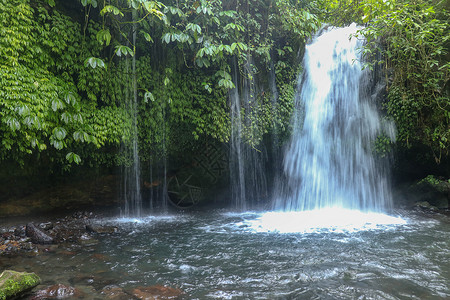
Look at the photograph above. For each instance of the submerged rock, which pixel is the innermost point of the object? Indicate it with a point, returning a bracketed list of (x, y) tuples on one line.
[(14, 284), (114, 292), (38, 236), (57, 291), (157, 292)]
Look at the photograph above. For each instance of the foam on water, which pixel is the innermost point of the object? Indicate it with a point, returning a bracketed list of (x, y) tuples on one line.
[(323, 220)]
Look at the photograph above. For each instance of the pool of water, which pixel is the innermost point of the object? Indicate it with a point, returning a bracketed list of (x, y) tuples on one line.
[(222, 255)]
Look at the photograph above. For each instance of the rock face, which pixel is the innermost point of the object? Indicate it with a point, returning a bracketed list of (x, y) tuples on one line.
[(430, 193), (37, 236), (14, 284), (157, 292)]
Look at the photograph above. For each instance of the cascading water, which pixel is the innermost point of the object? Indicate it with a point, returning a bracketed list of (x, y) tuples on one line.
[(329, 162), (131, 189), (247, 165)]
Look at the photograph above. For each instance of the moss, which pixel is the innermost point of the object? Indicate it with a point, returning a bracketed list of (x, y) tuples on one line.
[(14, 283)]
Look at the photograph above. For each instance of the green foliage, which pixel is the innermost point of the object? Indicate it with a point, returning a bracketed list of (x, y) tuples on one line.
[(42, 105), (66, 85), (15, 283), (414, 40)]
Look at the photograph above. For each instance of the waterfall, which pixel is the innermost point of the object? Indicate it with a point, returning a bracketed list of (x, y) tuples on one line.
[(131, 189), (329, 162), (247, 164)]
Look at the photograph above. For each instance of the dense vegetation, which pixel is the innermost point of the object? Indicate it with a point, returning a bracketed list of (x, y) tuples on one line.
[(73, 76)]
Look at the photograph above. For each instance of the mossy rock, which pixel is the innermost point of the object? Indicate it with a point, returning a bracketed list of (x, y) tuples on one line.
[(14, 284)]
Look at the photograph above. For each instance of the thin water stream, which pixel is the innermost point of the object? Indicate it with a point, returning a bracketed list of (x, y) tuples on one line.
[(221, 255)]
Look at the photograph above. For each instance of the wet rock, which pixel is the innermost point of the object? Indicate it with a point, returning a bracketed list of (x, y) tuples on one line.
[(114, 292), (57, 291), (157, 292), (38, 236), (433, 190), (426, 206), (46, 225), (96, 281), (87, 240), (101, 229), (14, 284)]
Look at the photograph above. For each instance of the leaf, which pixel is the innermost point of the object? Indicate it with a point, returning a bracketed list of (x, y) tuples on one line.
[(13, 123), (57, 104), (147, 36), (72, 157), (148, 95), (123, 50), (59, 133), (94, 62), (104, 36), (166, 38), (70, 99), (111, 9)]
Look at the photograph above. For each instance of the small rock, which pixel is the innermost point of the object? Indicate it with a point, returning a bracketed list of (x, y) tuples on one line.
[(14, 284), (57, 291), (100, 228), (46, 225), (157, 292), (37, 236), (87, 240)]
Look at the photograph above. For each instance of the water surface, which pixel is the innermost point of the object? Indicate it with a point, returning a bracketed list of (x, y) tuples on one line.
[(220, 255)]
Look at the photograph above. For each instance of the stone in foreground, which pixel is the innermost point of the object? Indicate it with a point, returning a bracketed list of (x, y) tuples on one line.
[(14, 284)]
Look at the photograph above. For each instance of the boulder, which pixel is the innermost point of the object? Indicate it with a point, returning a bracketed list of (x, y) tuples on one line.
[(14, 284), (38, 236), (157, 292)]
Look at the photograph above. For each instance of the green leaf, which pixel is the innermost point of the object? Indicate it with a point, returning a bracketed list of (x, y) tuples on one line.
[(111, 9), (148, 95), (123, 50), (59, 133), (70, 99), (13, 123), (166, 38), (147, 36), (72, 157), (57, 104), (94, 62), (104, 37)]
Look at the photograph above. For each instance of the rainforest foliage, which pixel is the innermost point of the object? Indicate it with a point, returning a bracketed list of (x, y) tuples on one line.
[(77, 76)]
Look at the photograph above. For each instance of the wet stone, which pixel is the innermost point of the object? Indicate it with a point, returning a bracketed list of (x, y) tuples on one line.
[(101, 229), (114, 292), (38, 236), (58, 291), (87, 240), (157, 292)]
